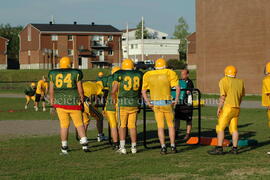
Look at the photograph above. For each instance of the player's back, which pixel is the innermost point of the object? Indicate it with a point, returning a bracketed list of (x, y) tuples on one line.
[(160, 83), (233, 89), (130, 83), (65, 84)]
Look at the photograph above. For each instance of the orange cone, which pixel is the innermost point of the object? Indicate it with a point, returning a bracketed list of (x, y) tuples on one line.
[(207, 141)]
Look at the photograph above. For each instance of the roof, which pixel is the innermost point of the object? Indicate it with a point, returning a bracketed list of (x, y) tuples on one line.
[(4, 38), (75, 28)]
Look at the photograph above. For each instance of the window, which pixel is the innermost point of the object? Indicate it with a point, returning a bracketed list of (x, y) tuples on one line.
[(110, 38), (29, 53), (70, 38), (70, 52), (54, 38), (29, 35), (110, 52), (55, 52), (131, 46)]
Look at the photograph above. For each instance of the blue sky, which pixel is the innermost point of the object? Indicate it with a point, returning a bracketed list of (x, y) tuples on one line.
[(158, 14)]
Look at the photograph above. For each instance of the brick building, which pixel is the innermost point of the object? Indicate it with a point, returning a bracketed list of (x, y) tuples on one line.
[(42, 45), (230, 32), (191, 51), (3, 52)]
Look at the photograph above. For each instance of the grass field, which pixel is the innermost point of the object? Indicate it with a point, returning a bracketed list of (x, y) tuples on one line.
[(38, 157)]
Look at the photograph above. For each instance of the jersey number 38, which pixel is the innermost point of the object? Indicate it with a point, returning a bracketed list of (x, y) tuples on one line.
[(131, 83)]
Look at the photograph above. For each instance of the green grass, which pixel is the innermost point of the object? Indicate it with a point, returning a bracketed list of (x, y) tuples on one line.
[(38, 157), (246, 98)]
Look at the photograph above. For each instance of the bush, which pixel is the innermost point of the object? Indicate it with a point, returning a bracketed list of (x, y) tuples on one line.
[(176, 64)]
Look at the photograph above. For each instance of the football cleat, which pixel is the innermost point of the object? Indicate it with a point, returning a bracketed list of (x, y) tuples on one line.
[(233, 151), (163, 151), (133, 150), (64, 150), (268, 153), (102, 138), (85, 148), (25, 107), (122, 151), (115, 146), (44, 109), (173, 150), (216, 151)]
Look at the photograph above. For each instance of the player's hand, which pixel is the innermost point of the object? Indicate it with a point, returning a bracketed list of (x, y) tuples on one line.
[(218, 112), (268, 107), (150, 105), (175, 102)]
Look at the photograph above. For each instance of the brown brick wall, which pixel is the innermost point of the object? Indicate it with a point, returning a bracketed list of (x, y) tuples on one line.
[(3, 49), (231, 32)]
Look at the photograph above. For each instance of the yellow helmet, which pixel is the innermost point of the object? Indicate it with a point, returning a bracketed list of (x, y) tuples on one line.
[(230, 71), (267, 68), (127, 64), (115, 68), (160, 63), (65, 62), (33, 84), (100, 74)]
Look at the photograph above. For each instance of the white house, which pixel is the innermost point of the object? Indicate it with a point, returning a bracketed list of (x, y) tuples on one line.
[(157, 47)]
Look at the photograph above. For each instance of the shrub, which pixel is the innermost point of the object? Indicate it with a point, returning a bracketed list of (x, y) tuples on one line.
[(176, 64)]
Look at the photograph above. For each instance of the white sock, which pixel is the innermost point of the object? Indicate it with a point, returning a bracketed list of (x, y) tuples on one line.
[(83, 140), (100, 134), (163, 145), (172, 145), (122, 143), (64, 143), (133, 145)]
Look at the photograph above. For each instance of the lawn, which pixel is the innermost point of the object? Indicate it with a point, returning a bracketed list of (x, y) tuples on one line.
[(38, 157)]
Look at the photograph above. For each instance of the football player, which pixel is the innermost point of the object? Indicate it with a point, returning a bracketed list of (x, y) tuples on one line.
[(30, 92), (66, 95), (41, 91), (232, 91), (159, 82), (128, 87), (266, 92), (110, 109), (91, 92)]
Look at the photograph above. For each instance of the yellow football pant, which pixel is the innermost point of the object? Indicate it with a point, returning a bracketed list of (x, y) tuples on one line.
[(86, 115), (64, 116), (128, 117), (229, 116), (28, 98), (112, 119), (164, 113)]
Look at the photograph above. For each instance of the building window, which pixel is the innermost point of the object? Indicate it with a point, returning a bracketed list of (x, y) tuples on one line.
[(29, 38), (110, 52), (55, 52), (70, 38), (110, 38), (70, 52), (132, 46), (54, 38), (29, 53)]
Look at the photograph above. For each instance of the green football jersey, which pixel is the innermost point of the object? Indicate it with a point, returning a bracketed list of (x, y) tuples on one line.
[(65, 85), (103, 80), (130, 83), (29, 91), (109, 102)]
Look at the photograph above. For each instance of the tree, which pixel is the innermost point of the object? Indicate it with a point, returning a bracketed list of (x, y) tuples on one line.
[(181, 32), (176, 64), (12, 34), (138, 33)]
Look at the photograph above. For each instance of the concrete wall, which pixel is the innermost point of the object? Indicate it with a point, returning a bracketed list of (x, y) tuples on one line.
[(232, 32)]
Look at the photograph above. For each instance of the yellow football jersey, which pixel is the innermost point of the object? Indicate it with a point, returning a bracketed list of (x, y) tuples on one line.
[(41, 87), (266, 91), (233, 89), (91, 88), (160, 82)]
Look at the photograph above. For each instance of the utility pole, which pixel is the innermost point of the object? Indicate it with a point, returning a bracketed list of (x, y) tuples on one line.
[(127, 41), (142, 59)]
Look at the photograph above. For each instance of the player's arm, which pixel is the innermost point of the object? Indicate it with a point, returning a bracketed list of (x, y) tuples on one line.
[(51, 92), (222, 98), (115, 88), (145, 87), (80, 90), (174, 81), (177, 90)]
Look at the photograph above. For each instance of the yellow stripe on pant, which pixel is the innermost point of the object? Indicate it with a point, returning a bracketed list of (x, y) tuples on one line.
[(128, 117), (65, 115), (268, 114), (112, 118), (164, 113), (228, 117)]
